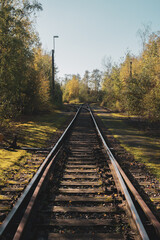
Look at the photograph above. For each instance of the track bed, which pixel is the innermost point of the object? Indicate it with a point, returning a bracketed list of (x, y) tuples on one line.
[(87, 204), (80, 192)]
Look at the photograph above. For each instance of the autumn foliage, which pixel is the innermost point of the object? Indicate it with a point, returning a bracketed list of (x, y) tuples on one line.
[(25, 71), (134, 85), (87, 89)]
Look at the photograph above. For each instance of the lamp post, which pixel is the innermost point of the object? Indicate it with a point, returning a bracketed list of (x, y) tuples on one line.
[(130, 69), (53, 67)]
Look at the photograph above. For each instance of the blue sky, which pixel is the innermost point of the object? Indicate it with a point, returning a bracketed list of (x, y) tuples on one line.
[(90, 30)]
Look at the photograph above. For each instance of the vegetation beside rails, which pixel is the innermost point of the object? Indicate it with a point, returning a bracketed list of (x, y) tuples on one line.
[(36, 131), (33, 131), (142, 143)]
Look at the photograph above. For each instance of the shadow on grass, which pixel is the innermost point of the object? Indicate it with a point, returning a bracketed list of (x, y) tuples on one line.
[(36, 130), (143, 145)]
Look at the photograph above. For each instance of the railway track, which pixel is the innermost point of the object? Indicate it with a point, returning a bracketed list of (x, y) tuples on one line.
[(80, 192)]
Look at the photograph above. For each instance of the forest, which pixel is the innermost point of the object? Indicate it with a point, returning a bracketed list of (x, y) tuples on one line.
[(132, 86)]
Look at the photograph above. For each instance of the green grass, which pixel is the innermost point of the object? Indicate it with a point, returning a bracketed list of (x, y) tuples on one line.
[(37, 130), (34, 131), (143, 145), (11, 162)]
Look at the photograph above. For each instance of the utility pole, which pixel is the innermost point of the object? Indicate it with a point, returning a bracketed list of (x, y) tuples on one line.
[(131, 69), (53, 65)]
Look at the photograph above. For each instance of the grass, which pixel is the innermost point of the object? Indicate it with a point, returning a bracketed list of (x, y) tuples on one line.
[(11, 162), (144, 145), (34, 131)]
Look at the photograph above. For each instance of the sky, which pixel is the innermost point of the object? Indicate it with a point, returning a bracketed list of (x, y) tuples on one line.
[(93, 30)]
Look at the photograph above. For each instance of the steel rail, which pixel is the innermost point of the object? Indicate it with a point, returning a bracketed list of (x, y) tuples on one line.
[(141, 202), (151, 217), (133, 210), (21, 227), (36, 178)]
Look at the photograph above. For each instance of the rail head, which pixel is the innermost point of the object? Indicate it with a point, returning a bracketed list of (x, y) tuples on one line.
[(133, 210), (35, 179)]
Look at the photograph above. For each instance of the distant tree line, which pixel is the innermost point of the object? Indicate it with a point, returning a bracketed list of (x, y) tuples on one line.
[(25, 70), (133, 86), (87, 89)]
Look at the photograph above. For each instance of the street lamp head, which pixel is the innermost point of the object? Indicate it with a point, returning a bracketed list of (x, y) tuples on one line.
[(54, 42)]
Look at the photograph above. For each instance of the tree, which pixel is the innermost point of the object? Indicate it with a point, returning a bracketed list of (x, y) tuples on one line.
[(112, 88), (18, 80), (95, 80), (151, 69), (86, 79), (42, 65), (84, 87), (95, 84), (107, 63), (71, 90), (144, 33)]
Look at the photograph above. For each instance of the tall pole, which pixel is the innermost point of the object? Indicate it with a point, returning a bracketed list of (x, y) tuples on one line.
[(53, 73), (53, 66), (130, 69)]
